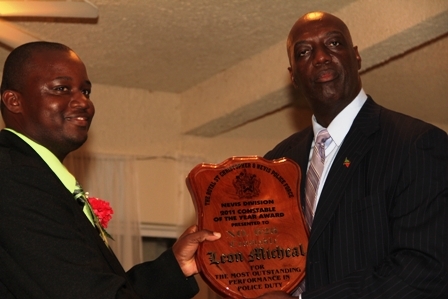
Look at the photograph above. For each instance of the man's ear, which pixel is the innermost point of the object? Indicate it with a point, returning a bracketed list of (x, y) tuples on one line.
[(358, 57), (11, 100), (292, 78)]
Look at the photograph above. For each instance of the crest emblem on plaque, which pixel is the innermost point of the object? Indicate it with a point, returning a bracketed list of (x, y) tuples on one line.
[(247, 185)]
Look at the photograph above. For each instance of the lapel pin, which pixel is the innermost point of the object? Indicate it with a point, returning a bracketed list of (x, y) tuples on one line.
[(346, 162)]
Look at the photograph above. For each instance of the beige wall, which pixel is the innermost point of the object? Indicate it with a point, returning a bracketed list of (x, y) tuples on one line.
[(149, 125)]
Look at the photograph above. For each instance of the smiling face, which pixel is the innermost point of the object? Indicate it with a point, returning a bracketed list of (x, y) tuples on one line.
[(53, 108), (324, 64)]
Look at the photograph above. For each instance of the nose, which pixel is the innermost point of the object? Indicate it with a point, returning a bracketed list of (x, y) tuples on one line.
[(80, 100), (321, 56)]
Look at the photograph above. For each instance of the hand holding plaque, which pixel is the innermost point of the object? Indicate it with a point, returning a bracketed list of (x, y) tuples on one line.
[(255, 204)]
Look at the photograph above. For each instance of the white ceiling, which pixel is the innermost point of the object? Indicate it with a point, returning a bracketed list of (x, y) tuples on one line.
[(174, 45)]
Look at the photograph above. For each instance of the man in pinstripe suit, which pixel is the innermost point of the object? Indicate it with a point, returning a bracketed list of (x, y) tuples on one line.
[(380, 227)]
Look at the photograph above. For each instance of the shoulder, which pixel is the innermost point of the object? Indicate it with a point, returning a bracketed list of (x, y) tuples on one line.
[(289, 143), (394, 126), (408, 128), (14, 151)]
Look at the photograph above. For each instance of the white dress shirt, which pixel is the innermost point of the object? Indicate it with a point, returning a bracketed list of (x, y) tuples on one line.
[(338, 129)]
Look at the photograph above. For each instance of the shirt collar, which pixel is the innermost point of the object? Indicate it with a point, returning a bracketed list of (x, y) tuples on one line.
[(52, 161), (341, 124)]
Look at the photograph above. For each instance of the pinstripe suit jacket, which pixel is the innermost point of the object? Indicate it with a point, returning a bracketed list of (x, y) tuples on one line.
[(381, 225), (49, 249)]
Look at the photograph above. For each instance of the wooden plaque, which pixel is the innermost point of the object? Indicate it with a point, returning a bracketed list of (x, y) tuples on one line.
[(255, 204)]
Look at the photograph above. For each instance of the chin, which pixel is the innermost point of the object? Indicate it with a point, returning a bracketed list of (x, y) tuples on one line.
[(78, 142), (327, 98), (330, 93)]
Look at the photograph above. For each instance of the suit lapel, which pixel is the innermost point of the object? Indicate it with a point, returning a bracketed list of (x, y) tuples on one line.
[(356, 145)]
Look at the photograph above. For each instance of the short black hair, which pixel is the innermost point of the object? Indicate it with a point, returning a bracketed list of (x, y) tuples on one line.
[(18, 62)]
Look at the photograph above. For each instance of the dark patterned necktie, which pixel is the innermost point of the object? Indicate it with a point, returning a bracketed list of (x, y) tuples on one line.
[(312, 185), (313, 175)]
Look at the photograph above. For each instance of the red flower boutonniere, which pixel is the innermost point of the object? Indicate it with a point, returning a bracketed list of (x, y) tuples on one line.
[(101, 212), (102, 209)]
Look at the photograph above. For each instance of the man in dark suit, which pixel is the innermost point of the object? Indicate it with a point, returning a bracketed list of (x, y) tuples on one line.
[(48, 247), (380, 227)]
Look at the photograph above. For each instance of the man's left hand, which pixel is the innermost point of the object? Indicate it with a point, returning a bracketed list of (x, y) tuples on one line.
[(185, 248)]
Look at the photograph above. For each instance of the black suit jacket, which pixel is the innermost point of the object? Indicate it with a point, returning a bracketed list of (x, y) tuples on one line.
[(381, 224), (49, 249)]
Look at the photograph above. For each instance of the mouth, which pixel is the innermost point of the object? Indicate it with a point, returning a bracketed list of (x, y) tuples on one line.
[(326, 76), (82, 121)]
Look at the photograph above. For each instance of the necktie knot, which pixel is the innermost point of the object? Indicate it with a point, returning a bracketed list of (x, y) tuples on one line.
[(322, 136), (79, 195), (321, 139)]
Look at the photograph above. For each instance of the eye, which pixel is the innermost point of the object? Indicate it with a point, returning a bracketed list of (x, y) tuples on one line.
[(302, 52), (61, 88), (86, 92), (334, 43)]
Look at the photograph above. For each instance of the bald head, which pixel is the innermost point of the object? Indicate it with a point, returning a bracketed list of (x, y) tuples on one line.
[(324, 64), (312, 18)]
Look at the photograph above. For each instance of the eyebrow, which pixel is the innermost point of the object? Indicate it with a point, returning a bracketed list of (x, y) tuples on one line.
[(335, 33), (328, 34), (71, 79)]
